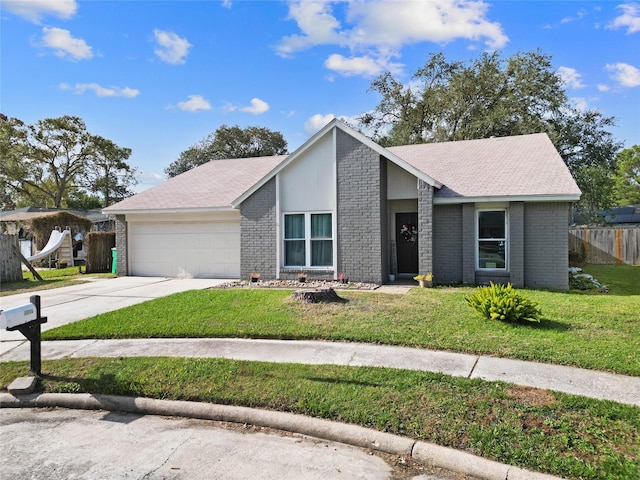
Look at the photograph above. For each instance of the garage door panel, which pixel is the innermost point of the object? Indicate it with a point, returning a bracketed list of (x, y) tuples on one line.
[(185, 249)]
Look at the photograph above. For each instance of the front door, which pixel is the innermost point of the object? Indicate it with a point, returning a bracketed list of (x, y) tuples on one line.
[(407, 242)]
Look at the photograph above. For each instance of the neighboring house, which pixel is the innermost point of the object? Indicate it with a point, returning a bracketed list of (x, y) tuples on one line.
[(469, 212), (15, 222), (618, 216)]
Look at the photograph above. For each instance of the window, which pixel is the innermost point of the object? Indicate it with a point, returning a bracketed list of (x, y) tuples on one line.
[(492, 239), (308, 240)]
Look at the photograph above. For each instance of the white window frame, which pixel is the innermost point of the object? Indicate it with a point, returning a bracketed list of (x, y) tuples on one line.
[(505, 239), (308, 240)]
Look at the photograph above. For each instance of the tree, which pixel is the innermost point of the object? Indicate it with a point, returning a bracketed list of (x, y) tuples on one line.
[(42, 163), (627, 178), (449, 101), (492, 96), (109, 174), (589, 150), (229, 142)]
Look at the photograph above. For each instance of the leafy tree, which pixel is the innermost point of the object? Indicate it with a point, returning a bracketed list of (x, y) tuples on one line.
[(627, 178), (492, 96), (589, 150), (108, 174), (229, 142), (42, 163)]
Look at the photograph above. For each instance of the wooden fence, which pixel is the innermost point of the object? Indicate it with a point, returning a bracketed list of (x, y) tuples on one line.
[(10, 267), (605, 245), (99, 245)]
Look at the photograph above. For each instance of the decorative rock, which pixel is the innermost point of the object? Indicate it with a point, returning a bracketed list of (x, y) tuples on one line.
[(317, 295)]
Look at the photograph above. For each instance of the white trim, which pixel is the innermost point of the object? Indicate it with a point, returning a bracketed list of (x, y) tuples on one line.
[(507, 240), (509, 198), (335, 206), (279, 232), (147, 211)]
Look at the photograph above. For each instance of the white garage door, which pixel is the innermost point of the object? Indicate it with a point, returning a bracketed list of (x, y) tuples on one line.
[(185, 249)]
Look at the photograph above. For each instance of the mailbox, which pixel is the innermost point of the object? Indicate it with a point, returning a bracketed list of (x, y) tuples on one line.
[(16, 316), (27, 320)]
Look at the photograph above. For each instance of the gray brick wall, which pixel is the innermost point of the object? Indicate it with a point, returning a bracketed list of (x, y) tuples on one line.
[(447, 244), (121, 245), (425, 227), (469, 243), (516, 244), (538, 248), (360, 202), (258, 235), (546, 245)]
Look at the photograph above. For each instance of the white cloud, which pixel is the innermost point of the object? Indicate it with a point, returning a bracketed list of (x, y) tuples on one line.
[(257, 107), (195, 103), (317, 121), (65, 45), (100, 91), (364, 66), (171, 48), (227, 3), (626, 75), (603, 88), (579, 15), (34, 10), (630, 18), (317, 24), (376, 30), (570, 77), (405, 22), (580, 103)]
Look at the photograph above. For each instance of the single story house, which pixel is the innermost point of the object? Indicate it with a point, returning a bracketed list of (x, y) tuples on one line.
[(469, 212)]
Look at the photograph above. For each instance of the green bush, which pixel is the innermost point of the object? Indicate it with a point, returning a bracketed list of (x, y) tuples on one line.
[(500, 302)]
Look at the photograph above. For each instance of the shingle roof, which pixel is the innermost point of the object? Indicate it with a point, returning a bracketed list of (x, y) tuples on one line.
[(518, 166), (525, 165), (212, 186)]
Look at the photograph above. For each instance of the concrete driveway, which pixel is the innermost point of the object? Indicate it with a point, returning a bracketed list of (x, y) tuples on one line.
[(77, 302)]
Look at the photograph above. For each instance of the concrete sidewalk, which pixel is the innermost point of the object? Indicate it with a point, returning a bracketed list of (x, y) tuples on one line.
[(588, 383)]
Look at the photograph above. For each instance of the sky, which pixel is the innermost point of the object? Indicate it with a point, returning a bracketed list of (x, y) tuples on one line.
[(158, 76)]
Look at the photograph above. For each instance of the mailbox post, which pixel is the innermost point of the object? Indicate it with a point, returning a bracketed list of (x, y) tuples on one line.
[(27, 320)]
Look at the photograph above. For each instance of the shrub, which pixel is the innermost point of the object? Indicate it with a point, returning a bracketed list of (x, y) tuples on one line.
[(500, 302)]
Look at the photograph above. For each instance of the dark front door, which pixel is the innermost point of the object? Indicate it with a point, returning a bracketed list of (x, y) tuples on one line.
[(407, 242)]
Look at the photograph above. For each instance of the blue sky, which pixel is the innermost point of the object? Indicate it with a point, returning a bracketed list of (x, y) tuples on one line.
[(158, 76)]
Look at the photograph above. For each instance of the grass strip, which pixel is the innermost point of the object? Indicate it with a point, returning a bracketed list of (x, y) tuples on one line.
[(560, 434)]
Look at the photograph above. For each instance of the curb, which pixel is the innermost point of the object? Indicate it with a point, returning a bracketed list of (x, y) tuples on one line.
[(423, 452)]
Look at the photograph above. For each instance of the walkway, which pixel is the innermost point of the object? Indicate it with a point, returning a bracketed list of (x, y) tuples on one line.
[(588, 383)]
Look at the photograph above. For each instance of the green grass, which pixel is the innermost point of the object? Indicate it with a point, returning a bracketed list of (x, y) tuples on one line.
[(52, 278), (620, 279), (596, 331), (555, 433)]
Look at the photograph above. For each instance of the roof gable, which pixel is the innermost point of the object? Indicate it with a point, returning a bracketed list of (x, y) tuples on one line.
[(329, 127)]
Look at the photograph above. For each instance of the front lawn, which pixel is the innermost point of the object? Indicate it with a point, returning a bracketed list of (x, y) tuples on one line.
[(596, 331)]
